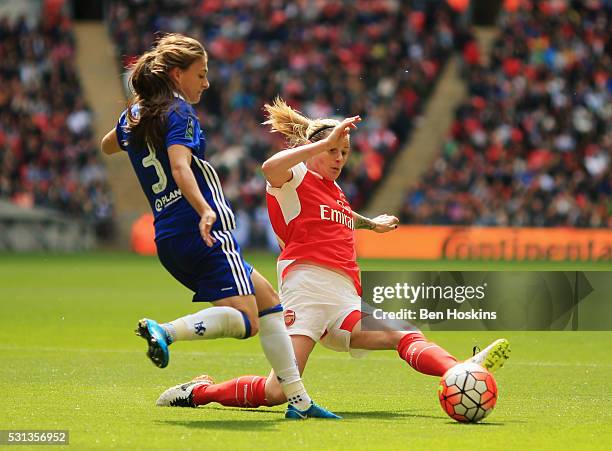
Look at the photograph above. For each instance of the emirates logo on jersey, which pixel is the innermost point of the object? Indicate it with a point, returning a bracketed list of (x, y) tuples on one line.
[(331, 214), (289, 317)]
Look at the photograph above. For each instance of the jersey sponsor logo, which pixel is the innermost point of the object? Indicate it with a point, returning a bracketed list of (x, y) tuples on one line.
[(330, 214), (189, 131), (289, 316), (167, 199)]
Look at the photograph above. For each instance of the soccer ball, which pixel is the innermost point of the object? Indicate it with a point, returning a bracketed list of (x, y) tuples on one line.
[(467, 392)]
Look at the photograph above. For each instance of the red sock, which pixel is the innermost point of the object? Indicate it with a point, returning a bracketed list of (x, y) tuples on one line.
[(424, 356), (245, 391)]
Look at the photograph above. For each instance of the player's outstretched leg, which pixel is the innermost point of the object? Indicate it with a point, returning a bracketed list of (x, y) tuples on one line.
[(243, 391), (493, 356), (210, 323), (157, 339), (423, 355)]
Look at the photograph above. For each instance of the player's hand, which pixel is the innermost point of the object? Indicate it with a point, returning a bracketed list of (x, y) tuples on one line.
[(206, 222), (336, 138), (385, 223)]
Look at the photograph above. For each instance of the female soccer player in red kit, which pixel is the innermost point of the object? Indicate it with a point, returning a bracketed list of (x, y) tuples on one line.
[(318, 275)]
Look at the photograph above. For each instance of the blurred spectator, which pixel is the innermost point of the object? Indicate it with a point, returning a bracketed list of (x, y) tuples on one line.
[(532, 145), (327, 58), (47, 155)]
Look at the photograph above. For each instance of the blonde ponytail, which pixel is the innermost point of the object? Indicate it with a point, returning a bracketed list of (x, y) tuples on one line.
[(297, 128)]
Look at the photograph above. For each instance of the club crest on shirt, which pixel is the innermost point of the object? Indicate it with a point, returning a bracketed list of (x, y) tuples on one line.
[(189, 131), (345, 206), (289, 317)]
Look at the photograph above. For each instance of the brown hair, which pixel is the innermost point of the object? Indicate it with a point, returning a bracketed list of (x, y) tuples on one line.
[(296, 127), (153, 88)]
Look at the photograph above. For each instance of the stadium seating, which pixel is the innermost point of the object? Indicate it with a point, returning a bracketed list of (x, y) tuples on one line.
[(377, 59), (532, 144), (47, 154)]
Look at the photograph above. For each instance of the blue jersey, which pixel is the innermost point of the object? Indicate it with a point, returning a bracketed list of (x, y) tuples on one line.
[(173, 213)]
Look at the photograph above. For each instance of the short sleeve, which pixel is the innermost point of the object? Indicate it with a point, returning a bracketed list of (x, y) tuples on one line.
[(121, 131), (299, 172), (183, 129)]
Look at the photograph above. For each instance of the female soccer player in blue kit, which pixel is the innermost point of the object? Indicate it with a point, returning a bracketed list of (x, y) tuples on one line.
[(161, 133)]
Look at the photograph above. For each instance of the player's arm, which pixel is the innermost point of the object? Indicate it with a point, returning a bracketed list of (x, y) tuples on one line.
[(277, 168), (180, 165), (379, 224), (110, 144)]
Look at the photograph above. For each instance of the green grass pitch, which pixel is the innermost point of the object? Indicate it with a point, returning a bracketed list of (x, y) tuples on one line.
[(69, 360)]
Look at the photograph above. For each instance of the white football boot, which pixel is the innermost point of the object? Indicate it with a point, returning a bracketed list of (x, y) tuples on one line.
[(493, 356), (182, 395)]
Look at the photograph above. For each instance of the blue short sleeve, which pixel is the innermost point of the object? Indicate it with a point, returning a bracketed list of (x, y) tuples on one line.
[(121, 131), (183, 129)]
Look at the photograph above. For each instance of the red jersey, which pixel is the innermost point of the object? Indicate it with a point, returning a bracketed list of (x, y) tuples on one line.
[(313, 222)]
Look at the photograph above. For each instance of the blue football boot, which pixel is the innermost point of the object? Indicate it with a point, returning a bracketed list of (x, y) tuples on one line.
[(314, 411), (157, 339)]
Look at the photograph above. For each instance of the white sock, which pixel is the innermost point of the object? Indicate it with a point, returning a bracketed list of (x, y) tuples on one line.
[(213, 322), (277, 347)]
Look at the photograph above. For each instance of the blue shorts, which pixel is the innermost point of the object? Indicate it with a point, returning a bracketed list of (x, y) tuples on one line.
[(213, 273)]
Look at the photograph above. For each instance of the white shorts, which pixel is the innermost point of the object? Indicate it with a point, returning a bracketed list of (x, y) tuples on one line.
[(322, 305)]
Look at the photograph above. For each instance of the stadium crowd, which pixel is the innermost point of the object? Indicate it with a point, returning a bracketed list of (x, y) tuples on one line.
[(48, 156), (377, 59), (532, 145)]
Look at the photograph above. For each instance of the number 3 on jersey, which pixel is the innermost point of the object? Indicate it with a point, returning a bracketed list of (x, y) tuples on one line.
[(150, 160)]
